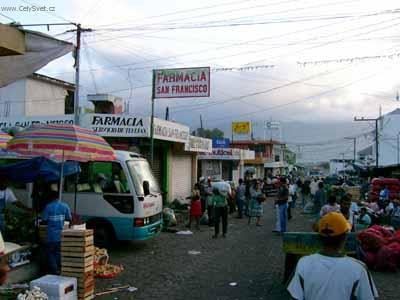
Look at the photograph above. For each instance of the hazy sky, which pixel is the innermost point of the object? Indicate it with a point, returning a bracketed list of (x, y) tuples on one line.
[(297, 46)]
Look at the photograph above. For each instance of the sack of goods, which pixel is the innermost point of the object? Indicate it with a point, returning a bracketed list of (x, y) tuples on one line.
[(381, 247), (223, 187)]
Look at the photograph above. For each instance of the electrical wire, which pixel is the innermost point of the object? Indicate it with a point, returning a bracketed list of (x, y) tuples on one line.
[(7, 17), (191, 10), (48, 12)]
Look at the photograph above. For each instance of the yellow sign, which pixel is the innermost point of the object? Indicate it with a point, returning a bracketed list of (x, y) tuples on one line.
[(241, 127)]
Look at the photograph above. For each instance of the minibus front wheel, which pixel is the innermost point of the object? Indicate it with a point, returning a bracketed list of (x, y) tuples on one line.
[(104, 235)]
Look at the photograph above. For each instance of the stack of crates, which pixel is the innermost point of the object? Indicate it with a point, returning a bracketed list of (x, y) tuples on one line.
[(77, 260)]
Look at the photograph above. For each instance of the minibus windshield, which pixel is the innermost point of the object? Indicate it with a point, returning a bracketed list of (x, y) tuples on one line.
[(140, 171)]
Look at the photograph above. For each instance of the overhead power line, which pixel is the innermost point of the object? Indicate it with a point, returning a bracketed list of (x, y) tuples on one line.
[(267, 22), (195, 9), (7, 17), (47, 12)]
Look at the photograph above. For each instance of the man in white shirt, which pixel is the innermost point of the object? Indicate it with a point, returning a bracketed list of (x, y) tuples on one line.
[(313, 187), (329, 275)]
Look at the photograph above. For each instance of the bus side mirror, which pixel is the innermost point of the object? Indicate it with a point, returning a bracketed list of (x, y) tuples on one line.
[(146, 188)]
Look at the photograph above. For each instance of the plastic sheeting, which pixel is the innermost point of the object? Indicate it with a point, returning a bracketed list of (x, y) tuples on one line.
[(40, 50), (29, 170)]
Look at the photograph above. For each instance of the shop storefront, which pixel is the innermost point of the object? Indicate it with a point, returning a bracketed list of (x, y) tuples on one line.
[(224, 163)]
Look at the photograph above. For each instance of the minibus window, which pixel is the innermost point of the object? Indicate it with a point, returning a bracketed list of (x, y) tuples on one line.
[(140, 171)]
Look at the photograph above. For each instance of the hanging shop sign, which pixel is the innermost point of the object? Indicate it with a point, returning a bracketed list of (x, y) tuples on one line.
[(117, 125), (29, 121), (170, 131), (220, 143), (181, 83), (198, 144), (241, 127)]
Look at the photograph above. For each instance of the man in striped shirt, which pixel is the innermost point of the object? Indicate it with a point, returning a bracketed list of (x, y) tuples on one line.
[(54, 214)]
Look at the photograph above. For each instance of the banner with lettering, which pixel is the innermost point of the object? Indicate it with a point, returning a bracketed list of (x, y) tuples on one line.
[(181, 83)]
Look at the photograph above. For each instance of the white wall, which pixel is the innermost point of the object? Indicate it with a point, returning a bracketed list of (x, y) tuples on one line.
[(44, 98), (30, 97), (12, 99), (388, 140)]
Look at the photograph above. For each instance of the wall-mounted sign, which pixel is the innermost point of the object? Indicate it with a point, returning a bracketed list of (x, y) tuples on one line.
[(241, 127), (181, 83), (170, 131), (272, 124), (222, 154), (220, 143), (29, 121), (116, 125), (198, 144)]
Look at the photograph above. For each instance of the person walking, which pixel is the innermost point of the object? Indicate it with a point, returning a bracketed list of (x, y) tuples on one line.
[(240, 197), (257, 198), (54, 215), (313, 187), (220, 205), (195, 207), (292, 198), (282, 202), (305, 193), (319, 198), (329, 274), (210, 209)]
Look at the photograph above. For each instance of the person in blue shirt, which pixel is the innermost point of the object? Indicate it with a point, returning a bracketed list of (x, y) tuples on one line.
[(54, 214), (383, 197)]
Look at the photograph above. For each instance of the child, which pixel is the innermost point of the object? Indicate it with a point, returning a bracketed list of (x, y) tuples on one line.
[(332, 206), (195, 207), (55, 213)]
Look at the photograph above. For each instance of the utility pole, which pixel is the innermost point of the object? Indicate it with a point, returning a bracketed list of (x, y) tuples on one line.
[(77, 65), (354, 146), (152, 120), (167, 113), (79, 31), (362, 119)]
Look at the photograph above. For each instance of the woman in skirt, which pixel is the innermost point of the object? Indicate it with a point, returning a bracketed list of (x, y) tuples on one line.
[(256, 207)]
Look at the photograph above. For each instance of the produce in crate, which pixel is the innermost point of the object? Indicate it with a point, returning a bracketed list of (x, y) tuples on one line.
[(34, 294)]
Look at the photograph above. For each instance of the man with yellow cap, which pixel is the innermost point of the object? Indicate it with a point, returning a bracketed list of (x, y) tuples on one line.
[(330, 274)]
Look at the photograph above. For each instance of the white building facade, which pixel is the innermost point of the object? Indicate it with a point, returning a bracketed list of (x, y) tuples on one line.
[(36, 95)]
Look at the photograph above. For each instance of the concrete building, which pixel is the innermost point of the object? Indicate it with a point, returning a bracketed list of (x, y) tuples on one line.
[(269, 157), (37, 95), (389, 142)]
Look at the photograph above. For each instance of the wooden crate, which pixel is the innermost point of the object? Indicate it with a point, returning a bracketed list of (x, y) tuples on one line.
[(354, 191), (77, 260)]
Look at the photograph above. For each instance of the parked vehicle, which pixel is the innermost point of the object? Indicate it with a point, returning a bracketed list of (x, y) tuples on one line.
[(120, 200)]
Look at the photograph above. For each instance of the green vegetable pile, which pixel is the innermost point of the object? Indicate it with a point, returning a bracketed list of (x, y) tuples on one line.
[(20, 225)]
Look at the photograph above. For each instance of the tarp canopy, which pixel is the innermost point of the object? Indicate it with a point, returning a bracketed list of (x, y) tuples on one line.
[(40, 50), (29, 170)]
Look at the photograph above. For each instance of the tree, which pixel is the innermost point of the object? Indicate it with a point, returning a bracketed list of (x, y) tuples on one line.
[(209, 133)]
